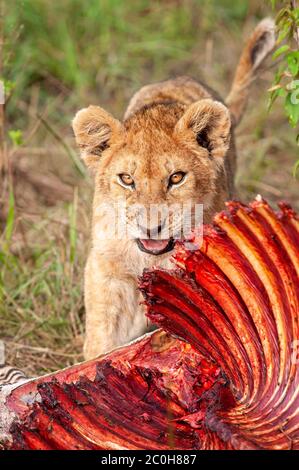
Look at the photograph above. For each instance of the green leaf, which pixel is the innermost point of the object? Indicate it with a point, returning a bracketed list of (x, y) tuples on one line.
[(280, 51), (8, 86), (16, 136), (282, 17), (293, 62), (291, 109), (295, 14), (283, 32)]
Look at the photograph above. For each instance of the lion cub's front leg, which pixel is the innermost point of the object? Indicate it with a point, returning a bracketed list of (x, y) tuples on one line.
[(114, 315)]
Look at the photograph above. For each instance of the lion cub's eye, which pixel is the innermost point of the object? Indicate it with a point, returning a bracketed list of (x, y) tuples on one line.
[(126, 180), (176, 178)]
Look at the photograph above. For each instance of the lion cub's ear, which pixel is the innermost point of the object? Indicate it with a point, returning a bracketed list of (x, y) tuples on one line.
[(208, 123), (95, 130)]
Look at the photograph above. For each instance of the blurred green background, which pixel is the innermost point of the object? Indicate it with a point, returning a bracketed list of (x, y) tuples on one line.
[(105, 49), (62, 55)]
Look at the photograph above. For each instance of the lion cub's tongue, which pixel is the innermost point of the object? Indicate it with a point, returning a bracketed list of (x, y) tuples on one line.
[(154, 245)]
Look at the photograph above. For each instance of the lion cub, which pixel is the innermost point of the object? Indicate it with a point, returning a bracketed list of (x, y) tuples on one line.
[(174, 146)]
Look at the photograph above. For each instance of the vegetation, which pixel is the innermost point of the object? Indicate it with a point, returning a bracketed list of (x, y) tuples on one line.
[(59, 56), (286, 83)]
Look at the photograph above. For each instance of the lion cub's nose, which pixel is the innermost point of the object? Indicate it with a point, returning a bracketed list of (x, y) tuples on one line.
[(151, 232)]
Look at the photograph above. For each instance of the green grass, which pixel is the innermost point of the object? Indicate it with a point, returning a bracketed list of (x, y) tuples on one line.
[(106, 47), (61, 56), (41, 305)]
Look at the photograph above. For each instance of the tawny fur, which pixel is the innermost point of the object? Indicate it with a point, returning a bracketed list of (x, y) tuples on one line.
[(162, 132)]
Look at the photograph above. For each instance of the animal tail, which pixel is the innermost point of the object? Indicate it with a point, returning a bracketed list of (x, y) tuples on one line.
[(258, 46)]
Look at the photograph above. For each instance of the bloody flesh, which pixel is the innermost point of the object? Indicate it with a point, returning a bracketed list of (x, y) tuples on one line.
[(247, 267)]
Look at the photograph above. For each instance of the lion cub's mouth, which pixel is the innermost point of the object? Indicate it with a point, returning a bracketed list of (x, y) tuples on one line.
[(155, 247)]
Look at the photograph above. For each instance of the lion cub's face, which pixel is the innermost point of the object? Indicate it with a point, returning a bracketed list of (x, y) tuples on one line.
[(163, 157)]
